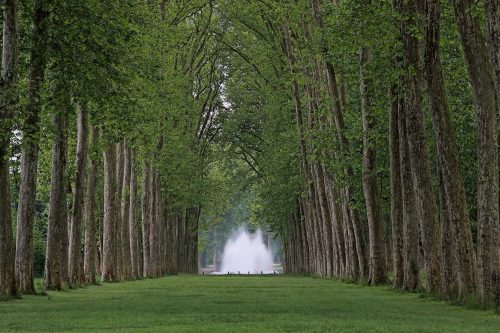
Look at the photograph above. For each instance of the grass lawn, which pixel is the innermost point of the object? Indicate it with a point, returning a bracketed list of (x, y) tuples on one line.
[(188, 303)]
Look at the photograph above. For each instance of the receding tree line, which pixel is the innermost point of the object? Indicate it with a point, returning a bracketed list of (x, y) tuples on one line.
[(430, 225), (85, 102)]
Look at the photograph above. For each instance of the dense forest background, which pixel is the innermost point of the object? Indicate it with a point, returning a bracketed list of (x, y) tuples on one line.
[(362, 133)]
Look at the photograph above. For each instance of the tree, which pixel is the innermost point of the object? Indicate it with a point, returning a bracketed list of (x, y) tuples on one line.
[(77, 211), (90, 219), (447, 152), (8, 81), (482, 79), (29, 159)]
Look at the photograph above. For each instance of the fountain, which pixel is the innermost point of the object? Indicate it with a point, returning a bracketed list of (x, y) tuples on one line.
[(246, 253)]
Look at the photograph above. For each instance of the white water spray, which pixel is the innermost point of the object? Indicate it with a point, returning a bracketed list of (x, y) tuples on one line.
[(246, 253)]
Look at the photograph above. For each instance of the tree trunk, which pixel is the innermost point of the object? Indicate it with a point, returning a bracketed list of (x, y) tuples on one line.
[(118, 213), (448, 245), (378, 273), (89, 266), (29, 158), (109, 244), (146, 221), (396, 190), (481, 73), (447, 151), (421, 172), (133, 227), (336, 219), (153, 230), (55, 274), (410, 219), (125, 211), (8, 81), (75, 239)]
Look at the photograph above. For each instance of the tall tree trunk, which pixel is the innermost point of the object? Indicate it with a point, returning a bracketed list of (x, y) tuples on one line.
[(118, 213), (133, 227), (421, 172), (447, 151), (146, 221), (65, 226), (153, 230), (336, 218), (109, 243), (481, 73), (378, 273), (29, 157), (8, 81), (125, 211), (77, 211), (55, 274), (410, 219), (396, 190), (89, 266)]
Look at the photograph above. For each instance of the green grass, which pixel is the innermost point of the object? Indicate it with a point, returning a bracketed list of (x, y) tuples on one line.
[(218, 304)]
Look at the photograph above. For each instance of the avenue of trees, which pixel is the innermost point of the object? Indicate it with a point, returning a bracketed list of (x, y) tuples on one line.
[(107, 112), (364, 132)]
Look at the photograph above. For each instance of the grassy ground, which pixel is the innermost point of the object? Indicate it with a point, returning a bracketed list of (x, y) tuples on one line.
[(238, 304)]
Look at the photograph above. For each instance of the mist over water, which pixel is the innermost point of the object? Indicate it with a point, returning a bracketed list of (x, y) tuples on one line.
[(247, 253)]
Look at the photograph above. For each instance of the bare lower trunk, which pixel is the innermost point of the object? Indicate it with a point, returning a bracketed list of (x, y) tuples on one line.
[(396, 191), (146, 221), (337, 223), (109, 243), (447, 245), (118, 216), (55, 274), (153, 231), (75, 240), (89, 266), (7, 274), (125, 211), (410, 220), (133, 227)]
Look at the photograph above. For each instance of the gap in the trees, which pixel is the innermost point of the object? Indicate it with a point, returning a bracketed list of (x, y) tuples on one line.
[(235, 243)]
